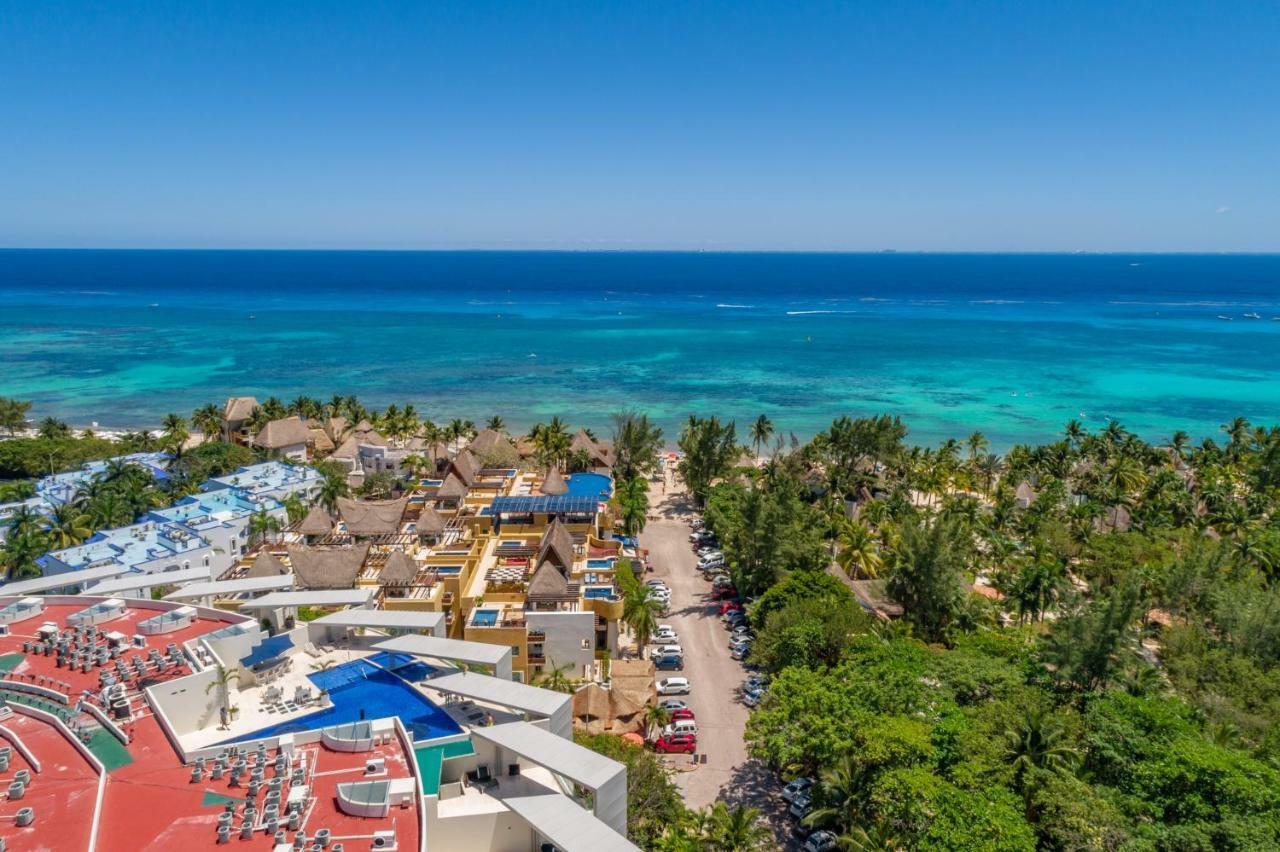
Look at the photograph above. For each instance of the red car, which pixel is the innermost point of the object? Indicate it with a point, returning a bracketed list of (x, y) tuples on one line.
[(726, 606), (682, 713), (676, 744), (724, 592)]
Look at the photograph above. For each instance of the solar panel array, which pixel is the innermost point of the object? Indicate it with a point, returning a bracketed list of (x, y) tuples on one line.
[(544, 504)]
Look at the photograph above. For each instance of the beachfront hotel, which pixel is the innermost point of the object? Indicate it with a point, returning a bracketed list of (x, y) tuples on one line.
[(130, 724)]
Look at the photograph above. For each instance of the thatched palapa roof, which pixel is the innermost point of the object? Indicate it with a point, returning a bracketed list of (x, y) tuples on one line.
[(489, 440), (317, 522), (321, 440), (327, 567), (548, 581), (286, 432), (453, 488), (557, 546), (372, 517), (430, 522), (400, 569), (238, 408), (553, 483), (466, 467), (266, 565)]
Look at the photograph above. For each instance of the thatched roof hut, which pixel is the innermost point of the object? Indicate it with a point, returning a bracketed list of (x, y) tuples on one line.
[(317, 522), (557, 546), (320, 441), (453, 488), (238, 409), (548, 581), (553, 483), (286, 432), (364, 426), (327, 567), (1114, 519), (372, 517), (430, 522), (266, 565), (491, 440), (400, 569), (466, 466)]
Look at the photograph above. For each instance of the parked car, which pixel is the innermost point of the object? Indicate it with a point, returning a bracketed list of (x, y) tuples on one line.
[(728, 606), (673, 686), (755, 682), (740, 652), (722, 592), (681, 713), (668, 663), (711, 556), (673, 704), (794, 788), (681, 726), (820, 841), (751, 697), (656, 583), (734, 617), (665, 634), (676, 744), (801, 806), (667, 650)]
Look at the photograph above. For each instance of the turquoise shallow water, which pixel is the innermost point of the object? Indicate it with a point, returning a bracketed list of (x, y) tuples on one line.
[(1013, 345)]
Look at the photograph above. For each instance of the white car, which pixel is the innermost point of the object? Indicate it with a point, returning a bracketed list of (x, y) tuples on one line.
[(666, 634), (673, 704), (664, 650), (673, 686), (656, 583), (793, 788)]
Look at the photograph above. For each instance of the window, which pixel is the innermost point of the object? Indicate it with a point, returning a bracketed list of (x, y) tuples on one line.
[(586, 644), (515, 650)]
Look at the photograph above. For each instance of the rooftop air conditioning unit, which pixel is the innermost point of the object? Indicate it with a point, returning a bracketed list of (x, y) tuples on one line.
[(4, 630), (385, 840), (376, 766)]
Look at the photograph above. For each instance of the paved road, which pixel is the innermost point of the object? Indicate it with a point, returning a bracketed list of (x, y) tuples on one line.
[(715, 676)]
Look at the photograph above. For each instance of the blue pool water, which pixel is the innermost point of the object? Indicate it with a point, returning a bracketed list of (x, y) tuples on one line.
[(484, 617), (590, 485), (360, 690), (601, 592), (600, 563)]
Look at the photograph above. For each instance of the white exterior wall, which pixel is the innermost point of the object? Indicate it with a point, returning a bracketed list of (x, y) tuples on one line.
[(566, 632)]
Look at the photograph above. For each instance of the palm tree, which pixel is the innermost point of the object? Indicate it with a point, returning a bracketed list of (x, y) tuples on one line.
[(333, 487), (656, 717), (67, 526), (632, 497), (738, 829), (977, 443), (859, 554), (1036, 745), (294, 508), (261, 523), (556, 678), (207, 420), (221, 680), (839, 794), (496, 423), (52, 427), (174, 434), (760, 432), (640, 612)]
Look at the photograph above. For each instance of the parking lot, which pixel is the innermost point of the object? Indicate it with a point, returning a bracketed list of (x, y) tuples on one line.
[(715, 677)]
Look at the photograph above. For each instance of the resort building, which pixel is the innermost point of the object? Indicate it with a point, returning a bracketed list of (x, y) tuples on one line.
[(148, 547), (147, 725), (235, 416), (287, 438), (222, 518), (272, 479)]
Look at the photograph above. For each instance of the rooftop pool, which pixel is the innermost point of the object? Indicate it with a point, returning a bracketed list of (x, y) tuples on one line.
[(361, 690), (484, 618), (590, 485)]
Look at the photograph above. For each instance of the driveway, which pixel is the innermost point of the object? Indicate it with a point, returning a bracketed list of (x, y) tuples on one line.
[(728, 773)]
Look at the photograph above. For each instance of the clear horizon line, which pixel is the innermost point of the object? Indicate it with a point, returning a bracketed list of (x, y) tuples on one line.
[(621, 250)]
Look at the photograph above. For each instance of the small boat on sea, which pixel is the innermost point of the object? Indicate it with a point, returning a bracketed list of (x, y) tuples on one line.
[(1253, 316), (1225, 317)]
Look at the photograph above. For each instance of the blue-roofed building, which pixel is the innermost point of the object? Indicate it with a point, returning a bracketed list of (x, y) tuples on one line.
[(148, 547), (60, 488), (221, 518), (272, 479), (8, 510)]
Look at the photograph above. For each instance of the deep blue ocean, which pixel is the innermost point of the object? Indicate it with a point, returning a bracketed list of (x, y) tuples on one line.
[(1013, 345)]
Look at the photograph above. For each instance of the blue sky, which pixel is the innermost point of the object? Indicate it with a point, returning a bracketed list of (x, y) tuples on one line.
[(738, 125)]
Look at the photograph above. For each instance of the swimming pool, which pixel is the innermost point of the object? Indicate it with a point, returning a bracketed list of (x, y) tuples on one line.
[(590, 485), (361, 690), (600, 563), (599, 593), (484, 618)]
